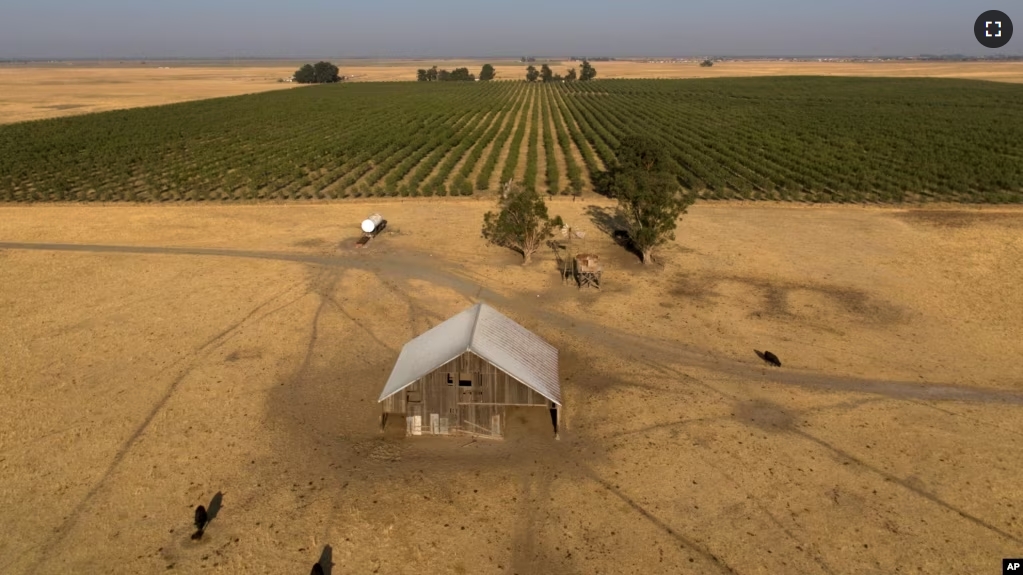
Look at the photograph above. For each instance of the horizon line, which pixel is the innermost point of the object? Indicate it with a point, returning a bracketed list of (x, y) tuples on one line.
[(504, 57)]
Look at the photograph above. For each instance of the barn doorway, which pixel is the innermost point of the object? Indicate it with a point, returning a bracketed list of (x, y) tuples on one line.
[(394, 426), (527, 423)]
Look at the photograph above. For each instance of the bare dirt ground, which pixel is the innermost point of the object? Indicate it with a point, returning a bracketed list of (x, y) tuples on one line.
[(155, 356), (31, 92)]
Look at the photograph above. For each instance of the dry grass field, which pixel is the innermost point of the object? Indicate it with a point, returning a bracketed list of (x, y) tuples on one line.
[(32, 92), (155, 356), (37, 92)]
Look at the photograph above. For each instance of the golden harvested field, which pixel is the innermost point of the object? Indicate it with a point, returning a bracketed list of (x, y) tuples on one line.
[(157, 355), (33, 93), (46, 91)]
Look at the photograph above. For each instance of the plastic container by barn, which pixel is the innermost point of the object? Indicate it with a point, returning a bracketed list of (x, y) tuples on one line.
[(371, 223)]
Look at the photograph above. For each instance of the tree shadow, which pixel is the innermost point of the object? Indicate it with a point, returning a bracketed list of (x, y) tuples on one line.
[(612, 222), (566, 268), (776, 295), (607, 220)]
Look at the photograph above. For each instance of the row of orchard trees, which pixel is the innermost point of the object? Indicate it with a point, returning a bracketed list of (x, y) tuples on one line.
[(808, 139), (545, 74), (456, 75), (586, 72)]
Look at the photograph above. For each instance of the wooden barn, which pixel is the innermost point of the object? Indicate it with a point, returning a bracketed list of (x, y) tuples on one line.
[(460, 377)]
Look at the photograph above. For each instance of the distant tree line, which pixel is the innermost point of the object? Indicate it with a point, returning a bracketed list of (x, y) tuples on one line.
[(605, 59), (320, 73), (707, 63), (456, 75), (545, 74)]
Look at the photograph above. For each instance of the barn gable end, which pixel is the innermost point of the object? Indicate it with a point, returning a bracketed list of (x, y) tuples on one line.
[(490, 335), (460, 376)]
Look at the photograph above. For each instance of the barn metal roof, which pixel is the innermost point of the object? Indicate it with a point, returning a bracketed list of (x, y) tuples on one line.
[(489, 334)]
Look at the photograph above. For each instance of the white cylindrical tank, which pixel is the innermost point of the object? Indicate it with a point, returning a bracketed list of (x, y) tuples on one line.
[(371, 223)]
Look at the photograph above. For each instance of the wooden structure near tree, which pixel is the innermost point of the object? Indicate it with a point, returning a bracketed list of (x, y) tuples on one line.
[(588, 270), (460, 377), (582, 269)]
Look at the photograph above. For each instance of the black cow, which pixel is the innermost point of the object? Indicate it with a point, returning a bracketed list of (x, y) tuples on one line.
[(201, 519), (769, 358)]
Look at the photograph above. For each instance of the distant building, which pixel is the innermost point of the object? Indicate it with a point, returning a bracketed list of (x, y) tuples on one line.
[(460, 377)]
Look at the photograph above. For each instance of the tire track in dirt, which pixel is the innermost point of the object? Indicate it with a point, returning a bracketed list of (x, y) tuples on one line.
[(409, 265), (66, 527), (337, 305), (709, 556), (843, 455), (810, 552)]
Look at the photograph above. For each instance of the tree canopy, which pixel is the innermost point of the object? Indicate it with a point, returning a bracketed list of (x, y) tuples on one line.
[(461, 75), (636, 152), (531, 74), (487, 73), (320, 73), (546, 74), (435, 75), (707, 63), (586, 71), (648, 193), (522, 222), (305, 75), (570, 76)]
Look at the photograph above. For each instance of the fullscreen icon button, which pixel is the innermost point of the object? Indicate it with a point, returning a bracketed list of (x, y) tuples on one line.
[(993, 29)]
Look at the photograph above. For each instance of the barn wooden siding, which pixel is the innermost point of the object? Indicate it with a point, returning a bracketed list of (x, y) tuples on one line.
[(447, 407)]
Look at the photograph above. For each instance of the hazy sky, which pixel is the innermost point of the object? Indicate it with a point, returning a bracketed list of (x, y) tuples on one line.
[(487, 28)]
